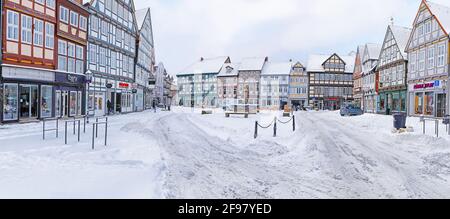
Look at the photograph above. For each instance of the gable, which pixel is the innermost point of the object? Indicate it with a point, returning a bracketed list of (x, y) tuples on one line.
[(334, 64), (426, 27)]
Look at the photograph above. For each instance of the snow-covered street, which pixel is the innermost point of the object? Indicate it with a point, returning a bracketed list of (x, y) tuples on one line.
[(183, 154)]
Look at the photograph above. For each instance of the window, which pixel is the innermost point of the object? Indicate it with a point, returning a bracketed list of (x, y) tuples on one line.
[(40, 2), (64, 14), (79, 67), (51, 3), (83, 23), (430, 58), (413, 62), (71, 65), (27, 24), (102, 56), (49, 35), (79, 52), (38, 32), (441, 56), (74, 19), (94, 24), (71, 50), (13, 26), (62, 47), (62, 63), (428, 27), (92, 54), (421, 60)]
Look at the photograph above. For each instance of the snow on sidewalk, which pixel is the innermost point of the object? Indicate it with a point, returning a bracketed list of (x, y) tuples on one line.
[(183, 154)]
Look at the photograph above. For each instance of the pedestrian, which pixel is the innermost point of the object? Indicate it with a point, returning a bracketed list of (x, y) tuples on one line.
[(154, 105), (109, 106)]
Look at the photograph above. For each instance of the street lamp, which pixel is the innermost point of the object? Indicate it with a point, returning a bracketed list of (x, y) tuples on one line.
[(88, 82)]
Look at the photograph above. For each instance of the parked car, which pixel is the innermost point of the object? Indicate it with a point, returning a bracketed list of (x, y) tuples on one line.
[(350, 110)]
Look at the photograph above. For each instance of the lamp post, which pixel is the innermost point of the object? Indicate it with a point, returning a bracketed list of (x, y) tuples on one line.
[(88, 82)]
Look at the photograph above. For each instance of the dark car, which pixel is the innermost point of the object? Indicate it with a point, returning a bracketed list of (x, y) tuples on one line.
[(351, 110)]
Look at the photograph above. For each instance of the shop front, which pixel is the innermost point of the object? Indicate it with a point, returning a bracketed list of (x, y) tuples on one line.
[(390, 102), (69, 98), (138, 99), (428, 99), (27, 94)]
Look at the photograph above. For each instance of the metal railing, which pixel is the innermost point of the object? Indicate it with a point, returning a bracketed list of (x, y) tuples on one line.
[(56, 129), (274, 123), (436, 121), (74, 122), (95, 130)]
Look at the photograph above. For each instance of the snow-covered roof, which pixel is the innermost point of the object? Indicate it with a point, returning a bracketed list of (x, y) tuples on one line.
[(229, 70), (205, 66), (401, 35), (373, 50), (140, 16), (277, 68), (442, 13), (315, 63), (253, 64)]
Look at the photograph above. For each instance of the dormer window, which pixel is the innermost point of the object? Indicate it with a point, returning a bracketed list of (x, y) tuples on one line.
[(334, 64), (229, 70)]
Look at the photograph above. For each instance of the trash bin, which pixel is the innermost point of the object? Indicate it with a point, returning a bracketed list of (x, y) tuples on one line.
[(399, 120)]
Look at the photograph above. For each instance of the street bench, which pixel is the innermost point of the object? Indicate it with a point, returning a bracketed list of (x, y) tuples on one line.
[(207, 112), (227, 114)]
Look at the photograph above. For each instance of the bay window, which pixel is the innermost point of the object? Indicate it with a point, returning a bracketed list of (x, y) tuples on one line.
[(38, 32), (64, 14), (12, 31), (27, 25), (49, 35)]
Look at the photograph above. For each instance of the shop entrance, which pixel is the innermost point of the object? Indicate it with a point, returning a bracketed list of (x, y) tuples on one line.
[(28, 101), (118, 102), (440, 107)]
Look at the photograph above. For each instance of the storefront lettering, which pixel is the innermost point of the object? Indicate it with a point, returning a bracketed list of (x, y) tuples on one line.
[(124, 85), (72, 79), (423, 86)]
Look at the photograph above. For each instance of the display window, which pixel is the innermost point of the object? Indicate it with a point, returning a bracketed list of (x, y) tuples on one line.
[(79, 104), (73, 103), (418, 103), (396, 101), (429, 103), (46, 101), (10, 102)]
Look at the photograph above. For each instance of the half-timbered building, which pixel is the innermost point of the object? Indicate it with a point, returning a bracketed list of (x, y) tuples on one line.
[(357, 78), (392, 68), (111, 55), (28, 59), (298, 86), (249, 83), (428, 55), (370, 77), (227, 86), (330, 81)]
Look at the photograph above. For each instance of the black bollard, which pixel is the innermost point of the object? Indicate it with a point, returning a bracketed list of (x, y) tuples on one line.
[(275, 127), (293, 122), (256, 129)]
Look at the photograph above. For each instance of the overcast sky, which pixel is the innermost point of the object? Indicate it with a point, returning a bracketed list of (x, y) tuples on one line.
[(186, 30)]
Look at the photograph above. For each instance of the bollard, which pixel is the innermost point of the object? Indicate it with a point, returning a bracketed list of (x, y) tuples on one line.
[(293, 123), (57, 128), (79, 124), (84, 124), (65, 134), (437, 128), (93, 134), (424, 127), (74, 125), (96, 128), (43, 130), (256, 129), (275, 127), (106, 131)]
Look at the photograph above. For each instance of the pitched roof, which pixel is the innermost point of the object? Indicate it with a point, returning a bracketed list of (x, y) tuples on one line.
[(401, 35), (277, 68), (204, 66), (374, 50), (235, 70), (442, 13), (315, 63), (140, 16), (253, 64)]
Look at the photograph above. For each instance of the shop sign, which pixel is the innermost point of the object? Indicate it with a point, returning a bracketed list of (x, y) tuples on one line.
[(427, 85), (68, 78), (134, 91), (109, 85), (124, 85)]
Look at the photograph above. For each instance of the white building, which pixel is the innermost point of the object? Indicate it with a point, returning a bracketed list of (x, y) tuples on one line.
[(369, 77), (275, 85), (428, 54)]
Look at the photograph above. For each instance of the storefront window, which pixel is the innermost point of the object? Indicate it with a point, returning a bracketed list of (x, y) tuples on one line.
[(73, 103), (403, 101), (440, 105), (418, 103), (79, 105), (396, 101), (382, 102), (429, 103), (46, 101), (10, 102)]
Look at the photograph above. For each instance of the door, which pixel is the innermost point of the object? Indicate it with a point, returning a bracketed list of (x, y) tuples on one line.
[(65, 104), (440, 105), (28, 101), (58, 104)]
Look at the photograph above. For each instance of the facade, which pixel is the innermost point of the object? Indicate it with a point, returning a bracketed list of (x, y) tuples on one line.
[(428, 55), (111, 56), (197, 84), (370, 77), (28, 79), (357, 77), (298, 86), (71, 33), (158, 91), (145, 61), (274, 93), (227, 86), (248, 93), (392, 68), (330, 81), (167, 94)]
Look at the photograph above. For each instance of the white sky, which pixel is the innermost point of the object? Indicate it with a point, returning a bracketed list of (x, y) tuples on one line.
[(186, 30)]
